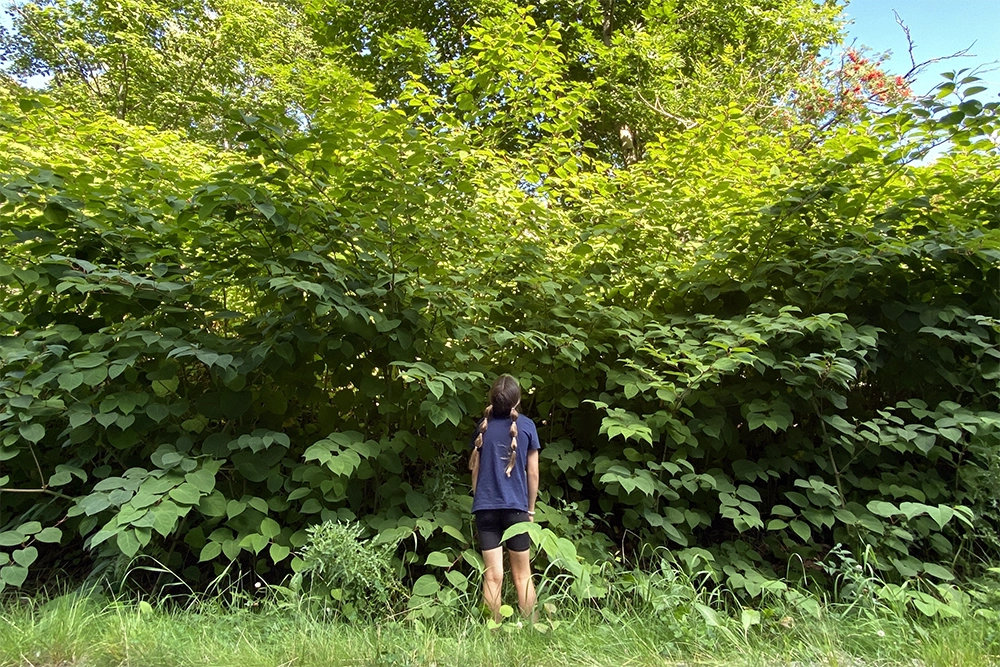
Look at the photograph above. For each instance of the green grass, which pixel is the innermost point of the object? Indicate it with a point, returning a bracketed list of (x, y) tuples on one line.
[(74, 630)]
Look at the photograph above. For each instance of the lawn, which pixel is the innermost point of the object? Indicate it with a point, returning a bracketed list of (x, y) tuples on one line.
[(75, 630)]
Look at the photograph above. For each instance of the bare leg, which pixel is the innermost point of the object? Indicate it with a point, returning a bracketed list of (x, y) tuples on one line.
[(520, 569), (493, 580)]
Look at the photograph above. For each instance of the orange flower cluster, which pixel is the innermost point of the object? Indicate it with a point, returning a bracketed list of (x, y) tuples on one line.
[(844, 91)]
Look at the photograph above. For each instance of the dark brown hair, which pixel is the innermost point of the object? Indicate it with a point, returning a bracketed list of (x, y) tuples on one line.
[(505, 396)]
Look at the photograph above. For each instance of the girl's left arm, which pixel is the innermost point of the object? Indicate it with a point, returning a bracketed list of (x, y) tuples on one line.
[(474, 467), (532, 482)]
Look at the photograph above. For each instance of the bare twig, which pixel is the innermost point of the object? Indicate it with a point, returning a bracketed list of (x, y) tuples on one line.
[(43, 490), (688, 124), (909, 40), (915, 67)]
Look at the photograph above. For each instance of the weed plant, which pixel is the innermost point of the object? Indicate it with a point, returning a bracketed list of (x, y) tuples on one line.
[(353, 574)]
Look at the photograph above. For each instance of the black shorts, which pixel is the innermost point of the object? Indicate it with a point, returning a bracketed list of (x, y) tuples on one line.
[(492, 523)]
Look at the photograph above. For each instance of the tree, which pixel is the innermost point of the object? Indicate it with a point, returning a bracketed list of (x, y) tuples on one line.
[(650, 66), (163, 63)]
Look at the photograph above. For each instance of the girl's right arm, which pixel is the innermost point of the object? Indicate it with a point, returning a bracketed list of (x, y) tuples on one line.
[(532, 482)]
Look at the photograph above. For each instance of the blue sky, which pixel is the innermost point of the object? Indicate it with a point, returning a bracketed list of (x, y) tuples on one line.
[(938, 28)]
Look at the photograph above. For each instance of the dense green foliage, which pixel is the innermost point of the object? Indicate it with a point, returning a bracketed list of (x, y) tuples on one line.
[(747, 347), (648, 66)]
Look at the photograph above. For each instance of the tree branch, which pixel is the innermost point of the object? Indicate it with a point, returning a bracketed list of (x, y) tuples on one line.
[(688, 124), (48, 491), (915, 67)]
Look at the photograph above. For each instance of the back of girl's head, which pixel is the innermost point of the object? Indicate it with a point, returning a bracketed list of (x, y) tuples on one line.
[(505, 395)]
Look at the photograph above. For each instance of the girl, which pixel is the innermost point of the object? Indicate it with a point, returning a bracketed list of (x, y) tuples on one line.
[(504, 465)]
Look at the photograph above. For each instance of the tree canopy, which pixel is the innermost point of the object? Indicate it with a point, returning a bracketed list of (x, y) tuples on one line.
[(164, 64)]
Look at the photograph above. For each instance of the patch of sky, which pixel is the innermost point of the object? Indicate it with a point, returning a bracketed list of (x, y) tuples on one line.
[(938, 29)]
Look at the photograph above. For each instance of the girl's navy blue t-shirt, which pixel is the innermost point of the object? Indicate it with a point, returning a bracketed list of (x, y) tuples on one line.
[(494, 490)]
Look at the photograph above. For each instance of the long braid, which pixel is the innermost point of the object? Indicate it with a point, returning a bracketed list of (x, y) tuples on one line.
[(474, 458), (513, 441)]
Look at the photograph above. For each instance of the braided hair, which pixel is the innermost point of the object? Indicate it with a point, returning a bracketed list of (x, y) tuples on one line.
[(505, 396)]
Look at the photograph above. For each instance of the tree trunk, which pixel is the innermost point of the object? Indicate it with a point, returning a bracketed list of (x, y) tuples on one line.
[(608, 25), (629, 143)]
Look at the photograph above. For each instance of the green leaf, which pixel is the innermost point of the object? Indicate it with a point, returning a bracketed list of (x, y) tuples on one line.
[(128, 544), (157, 412), (749, 618), (234, 508), (255, 542), (455, 533), (49, 535), (14, 575), (106, 419), (266, 208), (839, 423), (30, 527), (94, 376), (203, 480), (783, 510), (674, 534), (845, 516), (941, 514), (186, 494), (231, 549), (711, 617), (209, 551), (426, 586), (797, 498), (258, 504), (457, 579), (801, 528), (417, 503), (278, 552), (213, 505), (78, 419), (952, 118), (532, 529), (938, 571), (70, 381), (911, 510), (60, 478), (25, 557), (164, 517), (311, 506), (94, 503), (908, 567), (32, 432), (269, 527), (438, 559), (89, 360), (882, 508)]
